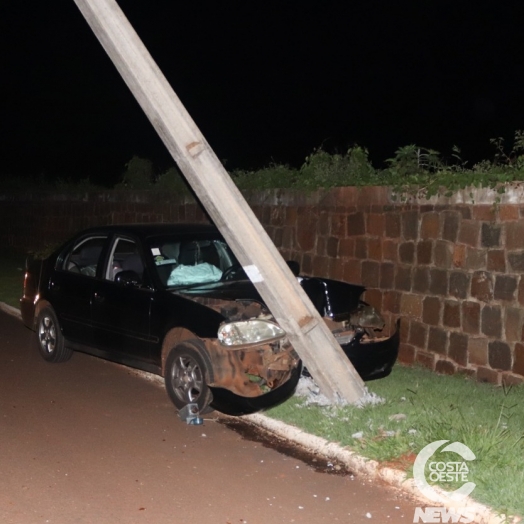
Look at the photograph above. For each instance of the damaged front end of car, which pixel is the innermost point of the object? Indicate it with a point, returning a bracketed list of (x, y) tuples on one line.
[(357, 326), (254, 365)]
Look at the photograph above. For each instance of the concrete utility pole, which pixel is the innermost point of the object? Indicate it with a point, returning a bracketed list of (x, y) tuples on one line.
[(225, 204)]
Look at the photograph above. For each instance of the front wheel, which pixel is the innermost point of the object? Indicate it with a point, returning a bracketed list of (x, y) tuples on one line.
[(187, 366), (49, 337)]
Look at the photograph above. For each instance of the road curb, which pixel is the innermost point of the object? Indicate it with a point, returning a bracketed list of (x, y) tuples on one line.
[(352, 460), (13, 311)]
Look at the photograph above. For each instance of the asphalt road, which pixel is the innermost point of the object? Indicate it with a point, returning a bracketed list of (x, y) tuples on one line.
[(88, 441)]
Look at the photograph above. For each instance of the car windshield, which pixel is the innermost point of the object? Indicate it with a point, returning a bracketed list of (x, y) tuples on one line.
[(188, 262)]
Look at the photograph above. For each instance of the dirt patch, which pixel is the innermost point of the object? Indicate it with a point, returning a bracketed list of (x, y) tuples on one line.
[(402, 463)]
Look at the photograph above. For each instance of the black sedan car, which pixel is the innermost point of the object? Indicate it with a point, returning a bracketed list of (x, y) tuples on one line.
[(173, 300)]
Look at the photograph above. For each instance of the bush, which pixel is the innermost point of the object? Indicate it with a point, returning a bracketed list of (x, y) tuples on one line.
[(172, 181), (273, 176), (139, 174)]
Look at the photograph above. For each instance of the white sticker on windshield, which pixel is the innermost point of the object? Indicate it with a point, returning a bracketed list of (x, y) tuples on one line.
[(253, 274)]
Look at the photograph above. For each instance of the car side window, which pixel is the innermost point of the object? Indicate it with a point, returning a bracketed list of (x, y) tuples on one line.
[(84, 258), (124, 256)]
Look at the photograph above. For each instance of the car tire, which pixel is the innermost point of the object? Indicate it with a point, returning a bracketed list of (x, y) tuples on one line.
[(50, 340), (187, 372)]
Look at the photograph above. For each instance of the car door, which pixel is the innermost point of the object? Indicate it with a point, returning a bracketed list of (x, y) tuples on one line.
[(70, 287), (121, 310)]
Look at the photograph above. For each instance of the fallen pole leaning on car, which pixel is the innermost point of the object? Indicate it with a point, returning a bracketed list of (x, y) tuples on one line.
[(224, 203)]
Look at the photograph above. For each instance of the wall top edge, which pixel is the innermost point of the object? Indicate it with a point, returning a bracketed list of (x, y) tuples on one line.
[(114, 195), (513, 193), (340, 196)]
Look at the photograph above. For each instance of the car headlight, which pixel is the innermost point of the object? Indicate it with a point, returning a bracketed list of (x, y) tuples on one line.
[(249, 332)]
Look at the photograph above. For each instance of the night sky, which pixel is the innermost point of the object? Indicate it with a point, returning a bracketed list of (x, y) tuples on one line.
[(264, 81)]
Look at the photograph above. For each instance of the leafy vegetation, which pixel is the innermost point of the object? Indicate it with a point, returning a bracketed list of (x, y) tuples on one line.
[(139, 174), (413, 170)]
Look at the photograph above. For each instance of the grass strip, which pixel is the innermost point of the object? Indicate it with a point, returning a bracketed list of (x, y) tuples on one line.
[(11, 277)]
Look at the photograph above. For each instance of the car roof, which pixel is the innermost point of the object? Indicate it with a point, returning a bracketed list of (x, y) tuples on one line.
[(152, 230)]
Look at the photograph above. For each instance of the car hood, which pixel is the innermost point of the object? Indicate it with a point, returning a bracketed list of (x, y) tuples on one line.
[(331, 298), (235, 290), (239, 300)]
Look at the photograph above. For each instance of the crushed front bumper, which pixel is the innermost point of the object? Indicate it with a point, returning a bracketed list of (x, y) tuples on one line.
[(373, 358), (230, 403)]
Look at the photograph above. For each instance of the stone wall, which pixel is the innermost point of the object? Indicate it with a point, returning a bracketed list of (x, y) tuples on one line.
[(450, 268), (32, 222)]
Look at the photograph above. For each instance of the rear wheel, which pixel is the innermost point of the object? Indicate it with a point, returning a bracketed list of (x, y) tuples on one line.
[(188, 369), (49, 337)]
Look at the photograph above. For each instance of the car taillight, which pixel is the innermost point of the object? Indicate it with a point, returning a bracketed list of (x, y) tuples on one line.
[(29, 286)]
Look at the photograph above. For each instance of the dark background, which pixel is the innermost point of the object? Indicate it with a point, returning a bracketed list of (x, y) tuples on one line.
[(264, 81)]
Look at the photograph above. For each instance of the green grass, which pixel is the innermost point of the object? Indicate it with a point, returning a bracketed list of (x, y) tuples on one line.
[(420, 407), (11, 278)]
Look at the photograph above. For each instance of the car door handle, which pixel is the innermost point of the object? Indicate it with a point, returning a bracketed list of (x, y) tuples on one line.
[(98, 298)]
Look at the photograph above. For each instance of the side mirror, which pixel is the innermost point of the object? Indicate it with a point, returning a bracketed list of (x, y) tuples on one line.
[(294, 266), (128, 278)]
